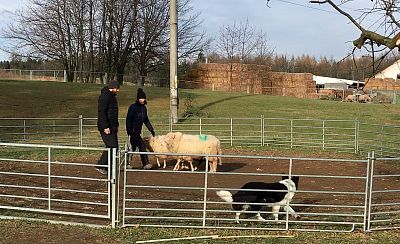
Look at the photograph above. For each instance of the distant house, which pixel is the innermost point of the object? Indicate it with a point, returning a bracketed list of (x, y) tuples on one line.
[(323, 82), (393, 72)]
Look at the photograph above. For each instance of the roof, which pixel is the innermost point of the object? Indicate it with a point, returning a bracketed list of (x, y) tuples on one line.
[(321, 80)]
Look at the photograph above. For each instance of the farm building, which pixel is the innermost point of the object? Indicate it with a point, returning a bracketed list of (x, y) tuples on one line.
[(323, 82), (391, 72)]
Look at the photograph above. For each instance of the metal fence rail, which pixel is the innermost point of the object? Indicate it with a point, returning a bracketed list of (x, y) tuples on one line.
[(340, 195), (45, 179), (384, 205), (325, 202), (350, 136)]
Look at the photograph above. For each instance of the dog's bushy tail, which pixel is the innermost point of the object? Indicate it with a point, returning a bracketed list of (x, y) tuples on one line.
[(225, 195)]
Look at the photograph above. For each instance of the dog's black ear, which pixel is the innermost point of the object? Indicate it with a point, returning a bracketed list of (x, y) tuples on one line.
[(284, 177), (295, 179)]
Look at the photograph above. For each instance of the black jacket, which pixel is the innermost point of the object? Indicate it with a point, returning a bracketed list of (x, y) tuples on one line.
[(136, 117), (107, 116)]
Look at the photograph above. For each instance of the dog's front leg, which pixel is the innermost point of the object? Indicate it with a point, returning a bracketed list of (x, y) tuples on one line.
[(237, 217), (291, 211), (260, 218), (275, 211)]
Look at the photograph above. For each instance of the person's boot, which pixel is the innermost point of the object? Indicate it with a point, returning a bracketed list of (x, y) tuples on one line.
[(145, 161)]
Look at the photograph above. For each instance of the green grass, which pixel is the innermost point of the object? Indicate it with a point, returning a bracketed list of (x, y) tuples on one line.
[(55, 99), (25, 232)]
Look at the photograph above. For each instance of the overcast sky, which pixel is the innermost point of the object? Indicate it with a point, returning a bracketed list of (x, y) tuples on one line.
[(294, 27)]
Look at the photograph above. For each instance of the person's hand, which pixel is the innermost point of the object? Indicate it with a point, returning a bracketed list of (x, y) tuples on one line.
[(152, 133), (107, 131)]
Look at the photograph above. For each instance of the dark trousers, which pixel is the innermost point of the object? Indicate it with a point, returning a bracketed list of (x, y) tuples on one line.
[(137, 142), (111, 141)]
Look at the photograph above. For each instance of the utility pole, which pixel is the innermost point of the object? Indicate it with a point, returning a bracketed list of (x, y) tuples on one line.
[(173, 61)]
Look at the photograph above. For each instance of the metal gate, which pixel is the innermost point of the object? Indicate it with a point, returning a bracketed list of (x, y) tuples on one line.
[(45, 182), (384, 204), (325, 201)]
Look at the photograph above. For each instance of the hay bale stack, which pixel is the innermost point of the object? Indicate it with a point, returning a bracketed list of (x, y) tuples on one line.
[(255, 79)]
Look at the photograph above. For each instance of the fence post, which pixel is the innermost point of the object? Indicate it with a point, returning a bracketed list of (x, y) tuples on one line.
[(323, 134), (24, 130), (381, 140), (113, 183), (80, 130), (30, 75), (49, 178), (205, 193), (289, 189), (200, 126), (231, 132), (262, 130), (291, 134), (356, 136), (368, 194), (54, 128)]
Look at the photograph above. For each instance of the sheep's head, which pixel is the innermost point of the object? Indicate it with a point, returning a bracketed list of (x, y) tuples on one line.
[(148, 140)]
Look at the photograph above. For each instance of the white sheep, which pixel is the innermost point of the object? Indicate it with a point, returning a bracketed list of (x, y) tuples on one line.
[(350, 98), (177, 142), (364, 98), (157, 144)]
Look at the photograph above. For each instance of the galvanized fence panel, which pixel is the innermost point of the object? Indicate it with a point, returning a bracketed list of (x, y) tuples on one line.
[(61, 131), (326, 201), (382, 139), (384, 206), (351, 136), (339, 135), (56, 183)]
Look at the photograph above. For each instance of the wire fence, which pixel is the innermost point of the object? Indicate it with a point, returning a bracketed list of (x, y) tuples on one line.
[(350, 136)]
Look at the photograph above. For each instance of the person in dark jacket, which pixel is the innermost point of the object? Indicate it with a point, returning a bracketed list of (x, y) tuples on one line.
[(107, 121), (136, 117)]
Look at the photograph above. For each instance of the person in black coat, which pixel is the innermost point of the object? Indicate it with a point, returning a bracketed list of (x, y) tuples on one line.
[(107, 121), (136, 117)]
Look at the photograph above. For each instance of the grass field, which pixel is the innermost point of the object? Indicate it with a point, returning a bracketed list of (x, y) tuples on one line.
[(52, 99), (26, 232)]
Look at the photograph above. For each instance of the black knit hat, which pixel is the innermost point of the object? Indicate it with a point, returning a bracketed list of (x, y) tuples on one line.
[(113, 84), (140, 94)]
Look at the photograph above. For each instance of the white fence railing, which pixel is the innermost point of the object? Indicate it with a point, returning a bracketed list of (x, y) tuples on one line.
[(53, 182), (341, 195), (350, 136), (45, 180)]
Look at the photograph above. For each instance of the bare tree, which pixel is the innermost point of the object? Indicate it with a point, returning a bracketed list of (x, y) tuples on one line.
[(383, 35), (151, 35), (241, 42), (103, 35), (40, 36)]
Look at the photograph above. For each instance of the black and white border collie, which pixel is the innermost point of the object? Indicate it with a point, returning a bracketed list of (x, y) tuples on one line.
[(248, 198)]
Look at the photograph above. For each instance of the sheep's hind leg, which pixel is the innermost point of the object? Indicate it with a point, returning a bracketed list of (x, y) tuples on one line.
[(177, 165)]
